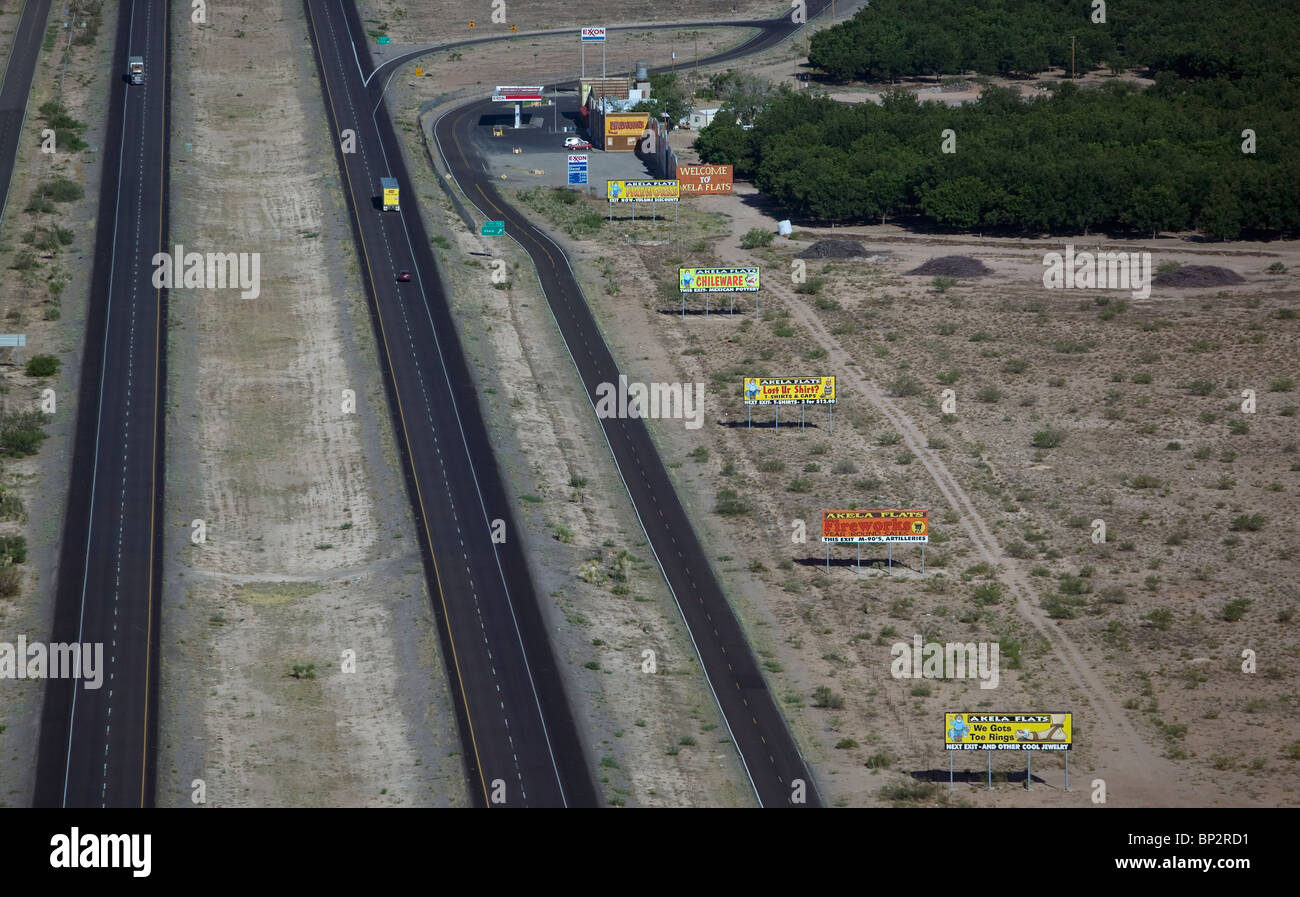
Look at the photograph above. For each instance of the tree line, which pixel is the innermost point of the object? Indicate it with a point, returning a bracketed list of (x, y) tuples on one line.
[(1211, 145), (1192, 38)]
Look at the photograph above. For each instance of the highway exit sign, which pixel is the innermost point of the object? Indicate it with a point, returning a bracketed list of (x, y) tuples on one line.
[(493, 229), (385, 39)]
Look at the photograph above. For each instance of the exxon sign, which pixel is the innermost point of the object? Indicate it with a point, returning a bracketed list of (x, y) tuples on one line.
[(593, 34)]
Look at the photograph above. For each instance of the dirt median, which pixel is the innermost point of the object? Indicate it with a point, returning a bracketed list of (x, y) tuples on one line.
[(301, 663)]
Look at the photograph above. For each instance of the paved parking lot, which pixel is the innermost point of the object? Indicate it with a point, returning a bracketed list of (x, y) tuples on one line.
[(542, 148)]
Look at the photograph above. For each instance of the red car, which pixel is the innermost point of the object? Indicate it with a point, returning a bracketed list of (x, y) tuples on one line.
[(576, 143), (403, 276)]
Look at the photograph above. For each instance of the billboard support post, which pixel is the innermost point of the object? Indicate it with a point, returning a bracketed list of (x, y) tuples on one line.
[(733, 304), (922, 558), (990, 756), (1029, 774), (828, 557), (1067, 770), (891, 557), (950, 785), (859, 556), (833, 426)]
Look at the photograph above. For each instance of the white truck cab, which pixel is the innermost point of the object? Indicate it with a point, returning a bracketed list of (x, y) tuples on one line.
[(135, 69)]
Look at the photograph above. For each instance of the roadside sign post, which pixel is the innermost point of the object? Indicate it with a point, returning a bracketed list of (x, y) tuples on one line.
[(14, 341), (578, 172), (594, 35)]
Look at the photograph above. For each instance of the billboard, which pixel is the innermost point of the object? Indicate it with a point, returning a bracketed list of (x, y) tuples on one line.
[(642, 191), (624, 129), (1008, 731), (876, 525), (789, 390), (705, 178), (592, 35), (717, 280), (517, 95)]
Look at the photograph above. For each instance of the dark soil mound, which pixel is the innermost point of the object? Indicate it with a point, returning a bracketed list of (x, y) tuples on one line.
[(1190, 276), (833, 249), (953, 266)]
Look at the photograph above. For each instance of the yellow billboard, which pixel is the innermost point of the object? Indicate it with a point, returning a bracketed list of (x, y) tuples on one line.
[(643, 191), (717, 280), (1008, 731), (789, 390), (626, 124)]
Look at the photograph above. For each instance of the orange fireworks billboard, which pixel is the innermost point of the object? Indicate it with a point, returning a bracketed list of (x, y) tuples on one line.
[(876, 525)]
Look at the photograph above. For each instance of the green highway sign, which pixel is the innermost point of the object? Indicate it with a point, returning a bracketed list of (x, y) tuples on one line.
[(493, 229), (385, 39)]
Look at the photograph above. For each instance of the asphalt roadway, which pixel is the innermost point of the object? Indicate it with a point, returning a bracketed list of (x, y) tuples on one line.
[(778, 772), (17, 86), (97, 745), (522, 745)]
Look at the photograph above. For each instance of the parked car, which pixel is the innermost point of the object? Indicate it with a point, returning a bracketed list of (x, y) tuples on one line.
[(576, 143)]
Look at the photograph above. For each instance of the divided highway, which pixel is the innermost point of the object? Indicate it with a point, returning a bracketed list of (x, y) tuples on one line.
[(97, 745), (522, 746)]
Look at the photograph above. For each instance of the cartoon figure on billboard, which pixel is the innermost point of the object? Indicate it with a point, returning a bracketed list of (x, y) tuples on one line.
[(827, 388), (957, 731), (751, 389), (615, 190), (688, 280)]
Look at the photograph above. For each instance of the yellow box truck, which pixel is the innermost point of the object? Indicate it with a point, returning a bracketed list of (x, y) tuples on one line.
[(389, 186)]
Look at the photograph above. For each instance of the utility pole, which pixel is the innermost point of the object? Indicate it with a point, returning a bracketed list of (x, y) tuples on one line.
[(696, 35)]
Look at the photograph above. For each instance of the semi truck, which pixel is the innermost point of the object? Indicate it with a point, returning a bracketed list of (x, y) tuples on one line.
[(389, 186), (135, 69)]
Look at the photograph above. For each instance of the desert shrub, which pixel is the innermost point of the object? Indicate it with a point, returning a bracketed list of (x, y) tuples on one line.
[(42, 366), (1049, 437)]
